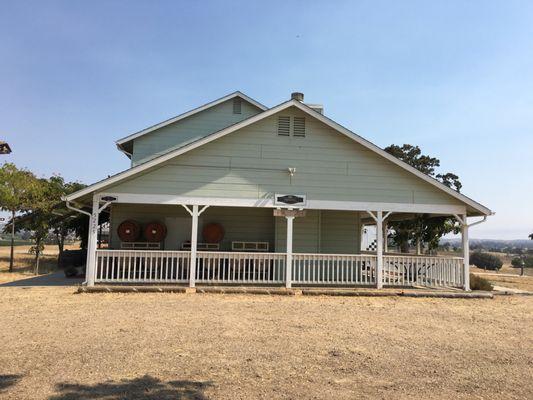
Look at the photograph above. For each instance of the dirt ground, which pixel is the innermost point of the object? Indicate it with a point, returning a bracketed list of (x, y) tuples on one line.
[(58, 345), (24, 262)]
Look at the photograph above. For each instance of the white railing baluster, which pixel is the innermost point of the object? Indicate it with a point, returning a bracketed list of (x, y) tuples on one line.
[(430, 271), (262, 268)]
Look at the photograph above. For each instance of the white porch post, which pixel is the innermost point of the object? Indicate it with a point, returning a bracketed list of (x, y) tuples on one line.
[(466, 253), (90, 269), (288, 269), (194, 246), (195, 213), (379, 249)]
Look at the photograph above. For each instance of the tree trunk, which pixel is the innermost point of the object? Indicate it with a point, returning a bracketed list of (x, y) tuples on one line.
[(418, 247), (37, 262), (60, 237), (37, 255), (12, 256)]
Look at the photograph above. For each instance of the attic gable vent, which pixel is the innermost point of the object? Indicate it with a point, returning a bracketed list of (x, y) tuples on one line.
[(299, 127), (237, 105), (284, 125)]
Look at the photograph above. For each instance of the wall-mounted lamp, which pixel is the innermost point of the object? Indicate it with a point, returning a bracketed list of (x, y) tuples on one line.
[(108, 199), (292, 171)]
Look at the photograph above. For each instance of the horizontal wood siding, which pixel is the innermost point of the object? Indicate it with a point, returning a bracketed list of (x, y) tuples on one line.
[(305, 233), (189, 129), (240, 224), (253, 163), (340, 232), (321, 231)]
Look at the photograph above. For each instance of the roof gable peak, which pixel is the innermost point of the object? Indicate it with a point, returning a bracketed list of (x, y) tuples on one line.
[(126, 139)]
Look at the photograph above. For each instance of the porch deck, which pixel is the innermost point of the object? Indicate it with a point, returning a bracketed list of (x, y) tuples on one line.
[(276, 269)]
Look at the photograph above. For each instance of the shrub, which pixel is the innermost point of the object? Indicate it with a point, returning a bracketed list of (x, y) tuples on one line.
[(479, 283), (517, 262), (486, 261)]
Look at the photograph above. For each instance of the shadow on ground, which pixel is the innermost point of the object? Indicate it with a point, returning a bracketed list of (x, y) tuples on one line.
[(146, 387), (54, 279), (8, 380)]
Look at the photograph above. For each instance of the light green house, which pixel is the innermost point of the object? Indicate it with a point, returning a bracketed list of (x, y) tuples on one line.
[(245, 194)]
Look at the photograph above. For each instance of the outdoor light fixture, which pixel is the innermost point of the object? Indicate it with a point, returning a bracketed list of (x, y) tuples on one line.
[(292, 171), (108, 199)]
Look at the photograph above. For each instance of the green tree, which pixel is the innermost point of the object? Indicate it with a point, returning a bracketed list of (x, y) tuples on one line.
[(413, 156), (62, 220), (39, 218), (49, 215), (423, 228), (18, 189), (531, 236)]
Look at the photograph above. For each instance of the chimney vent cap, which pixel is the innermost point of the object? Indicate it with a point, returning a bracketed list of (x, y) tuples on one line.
[(297, 96)]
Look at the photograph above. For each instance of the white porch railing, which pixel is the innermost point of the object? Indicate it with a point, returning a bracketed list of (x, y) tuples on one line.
[(146, 266), (142, 266), (240, 267), (334, 269), (423, 271)]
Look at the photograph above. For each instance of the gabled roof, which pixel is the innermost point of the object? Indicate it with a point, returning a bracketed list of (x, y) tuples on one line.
[(265, 114), (121, 142)]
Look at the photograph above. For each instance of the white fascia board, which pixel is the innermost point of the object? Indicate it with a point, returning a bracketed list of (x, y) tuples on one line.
[(371, 146), (268, 202), (188, 114), (265, 114)]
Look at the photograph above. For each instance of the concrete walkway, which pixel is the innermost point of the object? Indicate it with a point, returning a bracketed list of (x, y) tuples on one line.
[(53, 279), (506, 290)]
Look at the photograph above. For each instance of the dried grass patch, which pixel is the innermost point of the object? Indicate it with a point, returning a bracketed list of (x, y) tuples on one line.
[(65, 346)]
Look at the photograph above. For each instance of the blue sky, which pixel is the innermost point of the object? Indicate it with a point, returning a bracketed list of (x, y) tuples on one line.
[(453, 77)]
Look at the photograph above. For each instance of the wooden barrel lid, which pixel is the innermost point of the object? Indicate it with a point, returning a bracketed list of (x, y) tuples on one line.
[(213, 233)]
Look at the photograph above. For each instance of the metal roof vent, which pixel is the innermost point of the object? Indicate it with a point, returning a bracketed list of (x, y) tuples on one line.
[(297, 96), (237, 105)]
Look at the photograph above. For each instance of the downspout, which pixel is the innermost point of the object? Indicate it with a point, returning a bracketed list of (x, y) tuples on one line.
[(76, 209), (466, 245), (478, 222)]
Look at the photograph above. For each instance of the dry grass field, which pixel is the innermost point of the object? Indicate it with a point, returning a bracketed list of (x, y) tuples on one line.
[(58, 345), (55, 344), (508, 276), (24, 262)]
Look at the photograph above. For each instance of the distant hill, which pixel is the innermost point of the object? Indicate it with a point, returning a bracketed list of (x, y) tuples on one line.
[(493, 244)]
